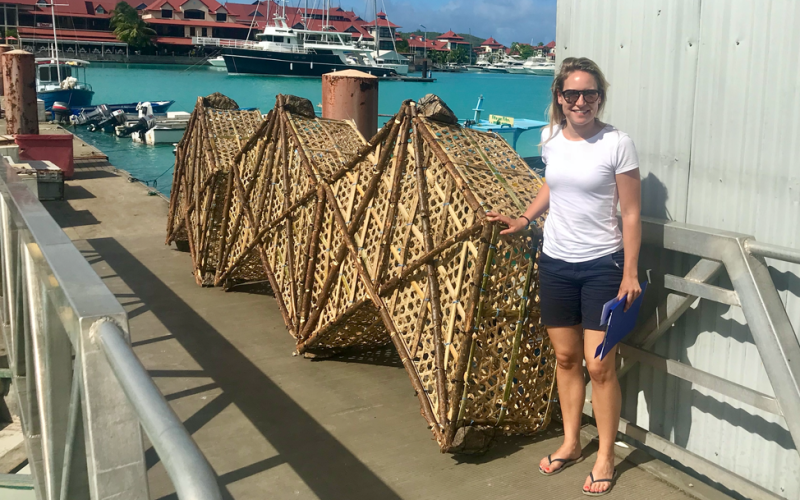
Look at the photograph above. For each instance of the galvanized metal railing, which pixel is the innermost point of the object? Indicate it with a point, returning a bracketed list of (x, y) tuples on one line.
[(742, 257), (83, 396)]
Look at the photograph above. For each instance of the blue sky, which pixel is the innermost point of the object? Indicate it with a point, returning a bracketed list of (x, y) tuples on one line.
[(506, 20)]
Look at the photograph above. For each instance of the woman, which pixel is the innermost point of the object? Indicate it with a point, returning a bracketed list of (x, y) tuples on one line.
[(586, 259)]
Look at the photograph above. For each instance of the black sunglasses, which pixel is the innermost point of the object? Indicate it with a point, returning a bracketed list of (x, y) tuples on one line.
[(572, 96)]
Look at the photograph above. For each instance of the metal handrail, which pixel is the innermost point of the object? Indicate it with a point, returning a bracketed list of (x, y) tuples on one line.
[(754, 291), (52, 305), (777, 252), (191, 474)]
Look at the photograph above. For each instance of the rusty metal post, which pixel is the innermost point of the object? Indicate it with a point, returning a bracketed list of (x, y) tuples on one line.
[(19, 82), (3, 50), (351, 95)]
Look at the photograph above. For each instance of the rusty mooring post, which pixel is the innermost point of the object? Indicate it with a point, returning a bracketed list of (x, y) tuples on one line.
[(351, 95), (19, 82), (3, 50)]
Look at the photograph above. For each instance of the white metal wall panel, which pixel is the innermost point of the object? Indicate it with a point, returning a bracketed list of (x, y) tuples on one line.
[(648, 51), (710, 93)]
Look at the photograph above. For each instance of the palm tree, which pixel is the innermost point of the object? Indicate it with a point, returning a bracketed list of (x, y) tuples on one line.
[(129, 28), (458, 55)]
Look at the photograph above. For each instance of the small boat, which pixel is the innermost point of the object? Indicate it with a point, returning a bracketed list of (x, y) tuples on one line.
[(218, 62), (502, 124), (130, 107), (57, 81)]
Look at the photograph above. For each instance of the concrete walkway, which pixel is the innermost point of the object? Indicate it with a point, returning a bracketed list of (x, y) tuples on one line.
[(272, 425)]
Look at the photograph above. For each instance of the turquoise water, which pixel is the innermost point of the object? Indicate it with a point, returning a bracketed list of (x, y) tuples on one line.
[(520, 96)]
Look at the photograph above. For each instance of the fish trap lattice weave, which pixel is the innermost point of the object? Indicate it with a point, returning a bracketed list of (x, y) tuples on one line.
[(367, 243), (203, 163)]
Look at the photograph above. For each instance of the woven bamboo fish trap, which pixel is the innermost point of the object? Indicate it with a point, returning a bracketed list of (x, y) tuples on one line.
[(216, 133), (366, 243)]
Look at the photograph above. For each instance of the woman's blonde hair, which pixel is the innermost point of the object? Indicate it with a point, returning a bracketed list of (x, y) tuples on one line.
[(569, 66)]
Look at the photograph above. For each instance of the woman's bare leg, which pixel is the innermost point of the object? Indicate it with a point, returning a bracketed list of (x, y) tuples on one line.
[(606, 403), (568, 346)]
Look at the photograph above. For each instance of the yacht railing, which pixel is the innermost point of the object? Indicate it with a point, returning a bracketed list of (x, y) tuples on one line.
[(742, 257), (82, 394), (247, 44)]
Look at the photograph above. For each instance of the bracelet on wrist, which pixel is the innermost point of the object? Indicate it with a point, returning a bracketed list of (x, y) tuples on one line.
[(527, 219)]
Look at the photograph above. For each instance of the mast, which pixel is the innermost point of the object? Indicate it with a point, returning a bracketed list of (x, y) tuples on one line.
[(55, 38), (377, 33)]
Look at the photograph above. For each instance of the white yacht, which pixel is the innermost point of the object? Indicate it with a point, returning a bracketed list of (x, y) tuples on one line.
[(516, 67), (480, 65), (540, 66), (284, 51)]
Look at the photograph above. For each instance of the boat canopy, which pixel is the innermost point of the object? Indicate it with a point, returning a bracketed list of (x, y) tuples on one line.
[(68, 62)]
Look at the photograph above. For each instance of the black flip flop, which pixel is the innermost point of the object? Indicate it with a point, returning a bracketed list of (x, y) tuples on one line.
[(566, 461), (613, 481)]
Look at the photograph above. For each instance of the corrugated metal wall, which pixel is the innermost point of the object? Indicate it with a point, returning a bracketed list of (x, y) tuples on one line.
[(709, 90)]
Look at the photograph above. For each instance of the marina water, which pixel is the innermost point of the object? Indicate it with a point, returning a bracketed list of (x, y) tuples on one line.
[(519, 96)]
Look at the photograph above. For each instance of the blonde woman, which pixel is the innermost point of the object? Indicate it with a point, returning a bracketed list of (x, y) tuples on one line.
[(586, 260)]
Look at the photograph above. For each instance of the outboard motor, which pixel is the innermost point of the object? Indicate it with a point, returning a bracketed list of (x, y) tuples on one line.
[(141, 126), (93, 116), (145, 109), (108, 124), (61, 112)]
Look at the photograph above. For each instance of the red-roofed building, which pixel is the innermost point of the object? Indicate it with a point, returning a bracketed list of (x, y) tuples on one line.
[(453, 40), (491, 46), (192, 18), (388, 31), (419, 46), (85, 24)]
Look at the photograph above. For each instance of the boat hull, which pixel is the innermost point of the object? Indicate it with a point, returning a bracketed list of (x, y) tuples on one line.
[(261, 62), (130, 107), (73, 98), (543, 72)]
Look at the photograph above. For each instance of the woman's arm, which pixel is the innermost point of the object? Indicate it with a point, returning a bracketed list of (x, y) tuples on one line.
[(538, 206), (629, 185)]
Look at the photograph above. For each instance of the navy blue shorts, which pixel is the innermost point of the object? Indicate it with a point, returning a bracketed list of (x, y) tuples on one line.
[(573, 294)]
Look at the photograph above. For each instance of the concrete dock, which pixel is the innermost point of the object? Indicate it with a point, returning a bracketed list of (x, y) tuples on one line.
[(275, 426)]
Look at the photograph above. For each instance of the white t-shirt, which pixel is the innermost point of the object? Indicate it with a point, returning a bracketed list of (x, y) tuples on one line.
[(582, 223)]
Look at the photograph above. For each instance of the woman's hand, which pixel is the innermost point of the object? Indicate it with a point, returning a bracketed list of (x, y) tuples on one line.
[(514, 225), (630, 287)]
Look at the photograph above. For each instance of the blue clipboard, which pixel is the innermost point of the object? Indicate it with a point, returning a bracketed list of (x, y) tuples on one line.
[(620, 322)]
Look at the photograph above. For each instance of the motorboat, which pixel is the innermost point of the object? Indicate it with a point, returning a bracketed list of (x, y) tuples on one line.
[(516, 67), (218, 62), (57, 81), (540, 66), (130, 107), (499, 67), (480, 65)]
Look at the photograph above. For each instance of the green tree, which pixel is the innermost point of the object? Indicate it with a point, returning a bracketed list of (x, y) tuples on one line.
[(402, 47), (129, 28), (458, 55), (437, 56), (524, 51)]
